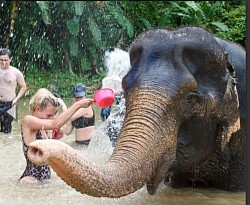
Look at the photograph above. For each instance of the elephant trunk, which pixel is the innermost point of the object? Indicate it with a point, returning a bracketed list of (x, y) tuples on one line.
[(106, 180), (145, 143)]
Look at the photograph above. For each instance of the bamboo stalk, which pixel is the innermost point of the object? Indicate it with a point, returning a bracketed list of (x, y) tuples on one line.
[(12, 22)]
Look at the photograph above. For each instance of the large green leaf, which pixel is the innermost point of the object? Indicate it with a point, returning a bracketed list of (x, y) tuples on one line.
[(130, 28), (96, 32), (73, 45), (146, 23), (197, 10), (120, 19), (79, 6), (85, 64), (185, 10), (193, 5), (73, 26), (124, 22), (220, 25), (44, 7), (181, 14)]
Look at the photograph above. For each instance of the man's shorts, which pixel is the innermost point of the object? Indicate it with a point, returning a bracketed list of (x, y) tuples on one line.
[(5, 118)]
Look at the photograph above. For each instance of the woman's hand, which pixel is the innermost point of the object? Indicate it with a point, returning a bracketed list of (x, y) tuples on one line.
[(85, 102), (57, 134)]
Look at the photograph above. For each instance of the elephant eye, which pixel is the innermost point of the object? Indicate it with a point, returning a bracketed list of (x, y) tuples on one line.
[(193, 97)]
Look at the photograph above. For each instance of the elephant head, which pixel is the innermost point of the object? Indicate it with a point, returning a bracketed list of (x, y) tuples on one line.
[(182, 107)]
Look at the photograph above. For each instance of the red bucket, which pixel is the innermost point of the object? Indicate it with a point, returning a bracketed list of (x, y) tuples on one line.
[(104, 97)]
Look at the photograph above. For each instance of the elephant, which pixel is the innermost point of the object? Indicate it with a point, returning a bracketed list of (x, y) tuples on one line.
[(185, 120)]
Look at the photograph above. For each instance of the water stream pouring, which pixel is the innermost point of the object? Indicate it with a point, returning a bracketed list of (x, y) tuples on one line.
[(104, 97)]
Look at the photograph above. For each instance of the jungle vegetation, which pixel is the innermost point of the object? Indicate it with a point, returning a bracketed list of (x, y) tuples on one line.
[(58, 43)]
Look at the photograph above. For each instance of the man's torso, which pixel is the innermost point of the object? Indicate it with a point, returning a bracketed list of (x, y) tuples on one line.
[(8, 84)]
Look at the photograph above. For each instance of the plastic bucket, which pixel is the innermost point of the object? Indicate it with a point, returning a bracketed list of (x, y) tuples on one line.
[(104, 97)]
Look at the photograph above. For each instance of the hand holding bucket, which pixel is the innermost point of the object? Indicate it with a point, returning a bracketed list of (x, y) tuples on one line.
[(55, 134), (104, 97)]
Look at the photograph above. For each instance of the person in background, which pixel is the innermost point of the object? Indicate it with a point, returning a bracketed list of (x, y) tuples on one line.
[(44, 106), (113, 83), (10, 79), (83, 120), (105, 112)]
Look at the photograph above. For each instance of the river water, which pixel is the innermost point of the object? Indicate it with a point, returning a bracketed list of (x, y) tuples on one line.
[(55, 191)]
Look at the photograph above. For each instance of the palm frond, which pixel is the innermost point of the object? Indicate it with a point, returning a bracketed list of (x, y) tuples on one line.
[(44, 7)]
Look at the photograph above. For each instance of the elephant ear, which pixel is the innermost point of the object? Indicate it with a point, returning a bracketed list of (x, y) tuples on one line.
[(231, 94), (227, 132), (231, 104)]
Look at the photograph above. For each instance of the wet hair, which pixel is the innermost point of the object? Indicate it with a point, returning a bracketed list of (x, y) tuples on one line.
[(42, 98), (5, 51)]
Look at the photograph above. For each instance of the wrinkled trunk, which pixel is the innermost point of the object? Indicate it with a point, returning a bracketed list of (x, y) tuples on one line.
[(146, 146)]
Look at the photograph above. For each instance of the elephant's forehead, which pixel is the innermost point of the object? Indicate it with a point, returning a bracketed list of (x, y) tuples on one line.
[(177, 36)]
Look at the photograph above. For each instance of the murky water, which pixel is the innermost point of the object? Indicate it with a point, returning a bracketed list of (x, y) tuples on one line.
[(55, 191)]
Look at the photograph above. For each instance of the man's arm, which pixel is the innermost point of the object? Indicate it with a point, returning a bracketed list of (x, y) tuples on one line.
[(22, 87)]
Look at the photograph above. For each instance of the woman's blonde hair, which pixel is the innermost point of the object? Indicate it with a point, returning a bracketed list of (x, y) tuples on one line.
[(42, 98)]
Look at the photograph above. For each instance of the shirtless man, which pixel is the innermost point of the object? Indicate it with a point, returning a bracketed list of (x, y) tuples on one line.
[(83, 120), (10, 78)]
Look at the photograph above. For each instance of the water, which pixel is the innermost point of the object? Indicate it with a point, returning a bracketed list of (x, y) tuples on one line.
[(111, 127), (54, 191), (117, 64)]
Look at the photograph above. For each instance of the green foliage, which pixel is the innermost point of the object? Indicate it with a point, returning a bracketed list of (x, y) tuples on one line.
[(124, 22), (73, 26), (224, 19), (73, 45), (95, 31), (220, 25), (69, 38), (61, 83), (79, 7), (84, 62), (41, 49), (44, 7), (236, 22), (188, 13)]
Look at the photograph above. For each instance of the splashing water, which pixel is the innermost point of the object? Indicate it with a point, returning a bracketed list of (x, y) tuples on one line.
[(107, 133), (117, 63)]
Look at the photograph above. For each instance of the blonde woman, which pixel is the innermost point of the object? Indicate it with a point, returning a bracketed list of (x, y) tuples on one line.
[(44, 106)]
